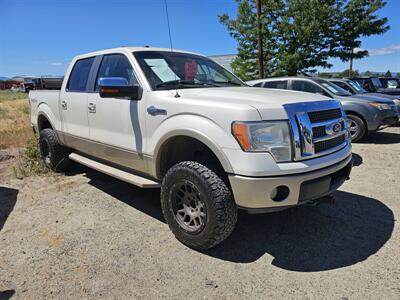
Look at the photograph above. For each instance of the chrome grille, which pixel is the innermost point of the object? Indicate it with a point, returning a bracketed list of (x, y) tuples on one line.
[(324, 115), (328, 144), (318, 128)]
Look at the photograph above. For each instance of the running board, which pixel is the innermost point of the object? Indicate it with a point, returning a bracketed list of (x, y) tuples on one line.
[(114, 172)]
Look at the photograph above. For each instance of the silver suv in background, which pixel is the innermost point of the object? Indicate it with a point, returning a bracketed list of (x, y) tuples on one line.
[(364, 114), (355, 88)]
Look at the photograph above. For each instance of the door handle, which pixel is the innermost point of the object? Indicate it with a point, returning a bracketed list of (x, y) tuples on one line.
[(152, 110), (64, 104), (92, 108)]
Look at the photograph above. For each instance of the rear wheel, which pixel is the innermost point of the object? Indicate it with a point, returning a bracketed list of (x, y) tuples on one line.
[(54, 155), (197, 205), (356, 127)]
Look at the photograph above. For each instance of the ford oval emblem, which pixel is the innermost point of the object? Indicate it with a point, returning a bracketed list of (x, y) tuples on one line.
[(333, 128), (337, 127)]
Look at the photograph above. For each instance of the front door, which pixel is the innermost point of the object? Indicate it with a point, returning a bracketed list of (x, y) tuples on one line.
[(116, 124)]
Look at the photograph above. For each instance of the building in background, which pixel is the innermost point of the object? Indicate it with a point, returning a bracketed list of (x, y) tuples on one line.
[(224, 60)]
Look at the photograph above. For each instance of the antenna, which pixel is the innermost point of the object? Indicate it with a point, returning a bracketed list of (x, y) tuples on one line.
[(170, 41)]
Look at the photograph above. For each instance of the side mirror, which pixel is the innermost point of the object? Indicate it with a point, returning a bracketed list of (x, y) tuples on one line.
[(118, 87)]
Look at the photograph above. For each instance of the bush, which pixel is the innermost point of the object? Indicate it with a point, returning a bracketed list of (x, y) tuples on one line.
[(30, 162)]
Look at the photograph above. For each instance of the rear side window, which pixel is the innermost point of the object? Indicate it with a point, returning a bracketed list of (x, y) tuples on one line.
[(79, 75), (116, 65), (305, 86), (279, 84), (258, 84)]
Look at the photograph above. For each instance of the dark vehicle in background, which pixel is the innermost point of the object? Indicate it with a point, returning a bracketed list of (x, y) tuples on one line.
[(374, 85), (354, 88), (43, 83), (364, 114), (390, 82)]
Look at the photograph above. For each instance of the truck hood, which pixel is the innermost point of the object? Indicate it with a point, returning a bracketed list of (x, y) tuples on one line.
[(268, 102)]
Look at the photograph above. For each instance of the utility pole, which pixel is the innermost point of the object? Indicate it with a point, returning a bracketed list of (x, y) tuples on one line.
[(259, 42), (351, 64)]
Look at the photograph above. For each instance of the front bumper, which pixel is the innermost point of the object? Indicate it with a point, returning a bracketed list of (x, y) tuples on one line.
[(383, 119), (255, 192)]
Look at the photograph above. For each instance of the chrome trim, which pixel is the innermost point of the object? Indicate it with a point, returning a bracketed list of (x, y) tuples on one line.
[(302, 128)]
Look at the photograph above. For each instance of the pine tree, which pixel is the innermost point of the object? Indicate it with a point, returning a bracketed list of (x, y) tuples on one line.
[(357, 18)]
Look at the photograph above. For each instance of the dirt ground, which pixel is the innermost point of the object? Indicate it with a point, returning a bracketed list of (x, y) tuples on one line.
[(87, 235)]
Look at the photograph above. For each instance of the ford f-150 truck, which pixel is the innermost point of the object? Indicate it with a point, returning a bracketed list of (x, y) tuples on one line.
[(177, 120)]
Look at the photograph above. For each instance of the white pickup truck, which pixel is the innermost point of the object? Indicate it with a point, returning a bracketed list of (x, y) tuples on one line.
[(177, 120)]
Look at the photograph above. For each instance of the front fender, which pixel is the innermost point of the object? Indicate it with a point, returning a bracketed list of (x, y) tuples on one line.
[(197, 127)]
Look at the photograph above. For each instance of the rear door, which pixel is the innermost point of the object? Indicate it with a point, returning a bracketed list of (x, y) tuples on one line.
[(116, 124), (73, 102)]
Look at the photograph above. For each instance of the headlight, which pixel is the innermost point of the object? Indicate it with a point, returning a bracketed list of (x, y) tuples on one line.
[(272, 137), (380, 106)]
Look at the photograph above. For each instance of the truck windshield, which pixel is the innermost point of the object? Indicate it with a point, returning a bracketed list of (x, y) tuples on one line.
[(333, 88), (171, 70)]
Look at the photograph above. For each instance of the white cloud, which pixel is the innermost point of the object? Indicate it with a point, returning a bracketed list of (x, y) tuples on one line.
[(56, 63), (385, 50)]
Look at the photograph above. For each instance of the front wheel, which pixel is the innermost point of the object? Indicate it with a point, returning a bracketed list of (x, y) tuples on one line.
[(197, 205), (356, 127)]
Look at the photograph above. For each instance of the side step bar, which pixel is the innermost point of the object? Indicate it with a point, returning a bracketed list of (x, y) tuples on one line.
[(114, 172)]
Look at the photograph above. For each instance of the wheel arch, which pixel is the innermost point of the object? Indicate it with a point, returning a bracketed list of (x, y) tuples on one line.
[(189, 135)]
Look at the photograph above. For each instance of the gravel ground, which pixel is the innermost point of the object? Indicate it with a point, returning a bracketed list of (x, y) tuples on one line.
[(87, 235)]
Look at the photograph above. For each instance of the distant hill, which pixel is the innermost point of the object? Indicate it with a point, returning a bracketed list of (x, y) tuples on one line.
[(2, 78)]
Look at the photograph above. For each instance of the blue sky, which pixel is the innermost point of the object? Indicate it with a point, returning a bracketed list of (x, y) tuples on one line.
[(42, 36)]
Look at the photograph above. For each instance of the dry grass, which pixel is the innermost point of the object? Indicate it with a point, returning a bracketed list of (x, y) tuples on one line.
[(15, 128)]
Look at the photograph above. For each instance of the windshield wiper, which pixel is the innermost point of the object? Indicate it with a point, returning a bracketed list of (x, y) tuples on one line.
[(227, 82), (180, 82)]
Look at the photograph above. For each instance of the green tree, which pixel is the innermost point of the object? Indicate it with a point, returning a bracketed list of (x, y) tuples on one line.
[(244, 30), (345, 73), (388, 74), (367, 73), (307, 35), (357, 18)]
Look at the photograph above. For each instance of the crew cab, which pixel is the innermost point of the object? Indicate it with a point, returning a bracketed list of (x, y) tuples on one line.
[(177, 120), (365, 114)]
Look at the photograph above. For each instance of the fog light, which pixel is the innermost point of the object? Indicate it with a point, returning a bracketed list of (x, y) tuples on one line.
[(280, 193)]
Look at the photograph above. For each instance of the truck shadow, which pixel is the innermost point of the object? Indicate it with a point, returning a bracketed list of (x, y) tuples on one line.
[(304, 239), (309, 239), (381, 138), (8, 197)]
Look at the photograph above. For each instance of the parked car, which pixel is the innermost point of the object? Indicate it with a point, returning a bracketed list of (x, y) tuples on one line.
[(390, 82), (354, 88), (177, 120), (364, 114), (374, 85)]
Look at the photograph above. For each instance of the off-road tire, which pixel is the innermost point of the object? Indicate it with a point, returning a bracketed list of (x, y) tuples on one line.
[(221, 210), (54, 155), (361, 130)]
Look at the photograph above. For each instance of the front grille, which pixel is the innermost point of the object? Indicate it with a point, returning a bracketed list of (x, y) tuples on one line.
[(324, 115), (328, 144), (316, 129)]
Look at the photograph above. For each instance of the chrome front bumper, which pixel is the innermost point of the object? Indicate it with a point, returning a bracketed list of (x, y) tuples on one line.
[(255, 192)]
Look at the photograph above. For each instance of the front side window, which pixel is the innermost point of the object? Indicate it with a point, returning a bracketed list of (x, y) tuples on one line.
[(116, 65), (333, 88), (170, 70), (79, 75), (344, 86), (279, 84)]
